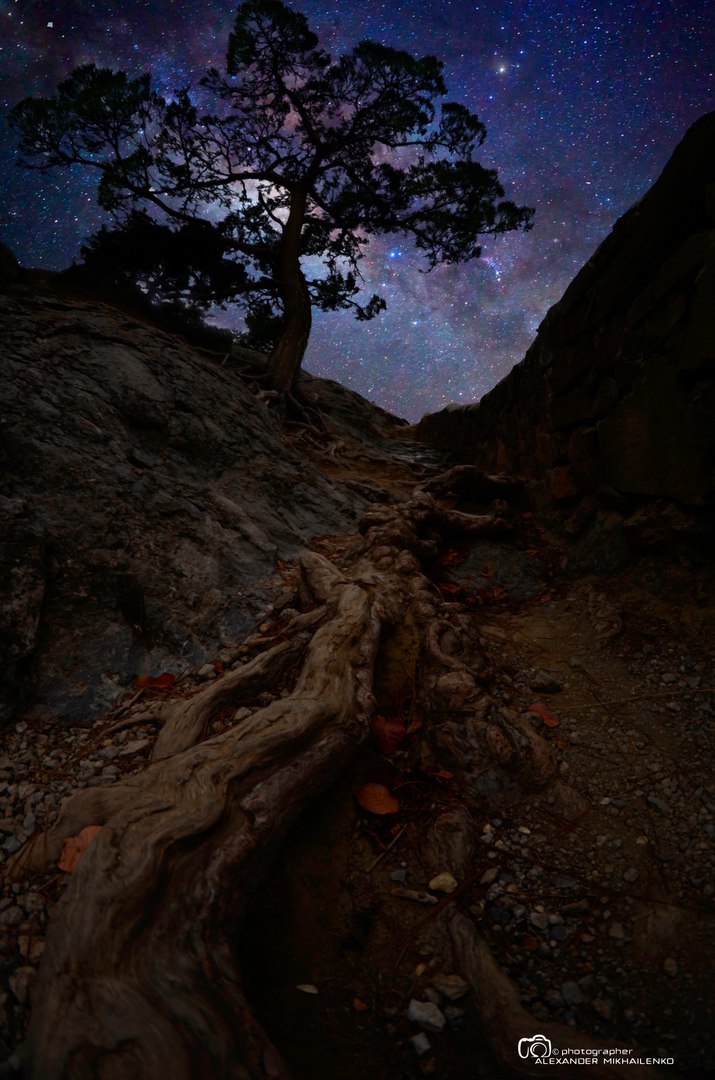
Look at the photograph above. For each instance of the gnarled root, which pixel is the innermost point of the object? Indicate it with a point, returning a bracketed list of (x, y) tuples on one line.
[(139, 976)]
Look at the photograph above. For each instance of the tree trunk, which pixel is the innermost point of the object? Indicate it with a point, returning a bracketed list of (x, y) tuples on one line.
[(287, 356)]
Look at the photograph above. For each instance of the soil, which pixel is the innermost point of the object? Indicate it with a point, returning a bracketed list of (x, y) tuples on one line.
[(592, 883), (613, 860)]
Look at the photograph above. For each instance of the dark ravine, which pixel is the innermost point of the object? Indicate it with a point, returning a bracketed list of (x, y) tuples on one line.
[(346, 606), (615, 397)]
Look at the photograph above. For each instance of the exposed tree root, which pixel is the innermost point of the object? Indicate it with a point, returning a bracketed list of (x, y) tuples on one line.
[(185, 722), (138, 977)]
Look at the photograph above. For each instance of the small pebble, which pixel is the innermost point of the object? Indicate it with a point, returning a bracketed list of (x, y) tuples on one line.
[(134, 747), (659, 805), (421, 1044), (454, 1015), (571, 993), (426, 1014), (444, 882), (602, 1007), (453, 987)]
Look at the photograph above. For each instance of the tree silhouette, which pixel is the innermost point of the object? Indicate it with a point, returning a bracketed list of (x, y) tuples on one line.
[(289, 159)]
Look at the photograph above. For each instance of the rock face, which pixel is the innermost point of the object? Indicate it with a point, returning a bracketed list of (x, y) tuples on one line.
[(146, 496), (616, 393)]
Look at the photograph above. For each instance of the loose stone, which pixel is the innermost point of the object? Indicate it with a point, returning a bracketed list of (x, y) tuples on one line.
[(453, 987), (571, 993), (659, 805), (426, 1014), (421, 1044), (444, 882)]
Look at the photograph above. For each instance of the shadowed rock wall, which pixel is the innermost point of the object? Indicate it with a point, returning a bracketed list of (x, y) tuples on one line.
[(145, 496), (616, 394)]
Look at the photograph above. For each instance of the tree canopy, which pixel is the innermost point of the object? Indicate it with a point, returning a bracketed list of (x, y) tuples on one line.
[(264, 185)]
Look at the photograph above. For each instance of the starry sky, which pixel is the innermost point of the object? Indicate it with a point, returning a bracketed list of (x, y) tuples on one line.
[(584, 102)]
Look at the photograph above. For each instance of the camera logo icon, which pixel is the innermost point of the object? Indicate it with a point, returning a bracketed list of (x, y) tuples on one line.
[(538, 1046)]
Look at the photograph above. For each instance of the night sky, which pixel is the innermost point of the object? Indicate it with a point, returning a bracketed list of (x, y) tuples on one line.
[(584, 101)]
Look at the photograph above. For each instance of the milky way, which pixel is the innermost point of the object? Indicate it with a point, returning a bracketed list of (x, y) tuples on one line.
[(583, 101)]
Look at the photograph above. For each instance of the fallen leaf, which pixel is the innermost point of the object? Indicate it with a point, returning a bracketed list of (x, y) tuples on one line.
[(359, 1005), (453, 557), (414, 725), (75, 846), (219, 667), (388, 734), (376, 799), (544, 713), (155, 682), (307, 988)]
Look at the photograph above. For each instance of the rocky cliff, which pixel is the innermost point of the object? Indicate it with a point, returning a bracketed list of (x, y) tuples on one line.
[(615, 397)]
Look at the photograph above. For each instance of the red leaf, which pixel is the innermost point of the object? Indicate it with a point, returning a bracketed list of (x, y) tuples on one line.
[(219, 667), (376, 799), (388, 734), (544, 712), (452, 557), (155, 682), (75, 846)]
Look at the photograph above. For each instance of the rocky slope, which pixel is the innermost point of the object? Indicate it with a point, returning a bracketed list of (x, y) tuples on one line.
[(147, 494)]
